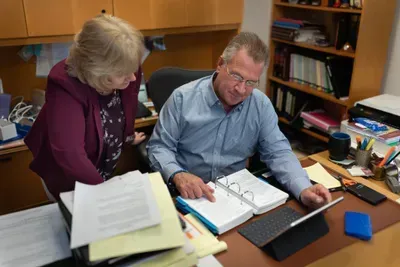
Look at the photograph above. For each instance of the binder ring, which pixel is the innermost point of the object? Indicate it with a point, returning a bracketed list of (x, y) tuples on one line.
[(242, 195), (233, 184), (220, 177)]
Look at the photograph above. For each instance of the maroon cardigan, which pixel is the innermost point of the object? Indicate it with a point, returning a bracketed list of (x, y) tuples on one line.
[(66, 139)]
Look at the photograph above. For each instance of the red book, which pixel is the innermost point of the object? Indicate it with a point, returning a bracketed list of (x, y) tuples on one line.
[(320, 119)]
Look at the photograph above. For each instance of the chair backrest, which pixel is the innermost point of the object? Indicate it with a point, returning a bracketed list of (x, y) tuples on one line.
[(164, 81)]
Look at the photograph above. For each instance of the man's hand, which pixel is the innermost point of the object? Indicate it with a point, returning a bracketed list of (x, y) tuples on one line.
[(191, 186), (315, 196)]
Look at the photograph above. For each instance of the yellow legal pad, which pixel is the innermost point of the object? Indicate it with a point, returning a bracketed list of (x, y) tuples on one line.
[(168, 234), (318, 174), (205, 243)]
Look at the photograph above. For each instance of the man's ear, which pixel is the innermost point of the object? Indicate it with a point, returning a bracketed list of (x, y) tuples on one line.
[(220, 63)]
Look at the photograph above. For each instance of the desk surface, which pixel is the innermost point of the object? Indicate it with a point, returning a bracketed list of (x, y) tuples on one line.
[(334, 247)]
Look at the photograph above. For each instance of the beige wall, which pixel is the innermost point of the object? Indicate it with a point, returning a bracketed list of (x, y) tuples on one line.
[(257, 16), (391, 82)]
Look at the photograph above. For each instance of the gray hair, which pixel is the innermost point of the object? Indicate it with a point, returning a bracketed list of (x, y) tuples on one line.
[(250, 41)]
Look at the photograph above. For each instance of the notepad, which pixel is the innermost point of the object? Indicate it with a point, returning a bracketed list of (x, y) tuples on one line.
[(203, 240), (318, 174), (238, 197), (168, 234)]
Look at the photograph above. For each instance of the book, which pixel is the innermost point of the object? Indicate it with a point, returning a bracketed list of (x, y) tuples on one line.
[(320, 119), (238, 196)]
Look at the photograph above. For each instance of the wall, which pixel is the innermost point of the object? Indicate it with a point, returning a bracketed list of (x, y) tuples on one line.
[(257, 18), (391, 83)]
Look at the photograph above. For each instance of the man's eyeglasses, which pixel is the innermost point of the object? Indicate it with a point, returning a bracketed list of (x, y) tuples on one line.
[(238, 78)]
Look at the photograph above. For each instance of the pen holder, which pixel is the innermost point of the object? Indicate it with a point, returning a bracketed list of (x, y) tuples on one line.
[(363, 157), (380, 173)]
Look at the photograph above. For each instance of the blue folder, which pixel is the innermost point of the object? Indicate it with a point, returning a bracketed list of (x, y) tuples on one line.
[(358, 225), (184, 207)]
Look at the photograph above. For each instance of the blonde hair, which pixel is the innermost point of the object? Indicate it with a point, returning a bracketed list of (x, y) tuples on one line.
[(105, 46), (250, 41)]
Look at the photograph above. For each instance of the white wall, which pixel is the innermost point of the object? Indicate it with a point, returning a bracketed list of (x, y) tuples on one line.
[(257, 18), (391, 82)]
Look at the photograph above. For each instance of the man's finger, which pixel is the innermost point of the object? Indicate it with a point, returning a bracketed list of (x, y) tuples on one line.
[(191, 194), (198, 192), (184, 194), (313, 197), (323, 192), (210, 188), (208, 193)]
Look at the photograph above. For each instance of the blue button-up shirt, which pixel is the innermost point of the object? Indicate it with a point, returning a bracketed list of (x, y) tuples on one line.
[(195, 133)]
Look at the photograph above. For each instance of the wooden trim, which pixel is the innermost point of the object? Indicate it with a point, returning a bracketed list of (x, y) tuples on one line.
[(309, 90), (68, 38), (13, 150), (330, 50), (321, 8), (306, 131), (144, 122)]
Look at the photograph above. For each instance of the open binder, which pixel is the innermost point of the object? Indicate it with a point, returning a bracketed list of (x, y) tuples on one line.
[(239, 197)]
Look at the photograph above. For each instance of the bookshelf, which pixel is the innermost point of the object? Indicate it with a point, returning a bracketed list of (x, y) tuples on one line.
[(369, 57)]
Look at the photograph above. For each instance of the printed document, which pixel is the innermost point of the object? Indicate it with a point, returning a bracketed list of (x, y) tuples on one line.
[(33, 237), (110, 209)]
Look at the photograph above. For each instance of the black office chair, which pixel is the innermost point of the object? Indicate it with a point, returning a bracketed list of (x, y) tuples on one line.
[(160, 86)]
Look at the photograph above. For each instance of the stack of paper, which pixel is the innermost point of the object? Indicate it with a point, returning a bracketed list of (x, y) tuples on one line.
[(33, 237), (319, 175), (128, 218)]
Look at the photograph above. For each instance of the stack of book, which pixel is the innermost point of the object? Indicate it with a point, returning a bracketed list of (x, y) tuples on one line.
[(294, 30), (330, 74), (320, 120), (288, 103)]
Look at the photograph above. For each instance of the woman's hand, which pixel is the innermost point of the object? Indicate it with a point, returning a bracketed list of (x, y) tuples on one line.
[(139, 137)]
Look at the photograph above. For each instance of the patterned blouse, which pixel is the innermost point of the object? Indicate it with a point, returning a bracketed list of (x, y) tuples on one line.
[(113, 122)]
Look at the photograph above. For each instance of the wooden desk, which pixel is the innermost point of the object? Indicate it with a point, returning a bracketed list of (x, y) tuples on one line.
[(379, 186), (344, 251), (382, 250)]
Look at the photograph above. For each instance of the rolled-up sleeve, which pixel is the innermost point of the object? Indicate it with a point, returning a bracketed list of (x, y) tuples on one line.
[(277, 154), (162, 146)]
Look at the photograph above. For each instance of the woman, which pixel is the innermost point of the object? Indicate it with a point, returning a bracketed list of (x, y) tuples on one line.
[(90, 108)]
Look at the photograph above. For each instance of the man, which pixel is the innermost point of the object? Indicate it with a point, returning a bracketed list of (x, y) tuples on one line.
[(209, 127)]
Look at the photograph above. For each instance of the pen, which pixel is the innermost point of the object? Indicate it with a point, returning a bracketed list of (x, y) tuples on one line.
[(370, 143), (388, 154), (364, 144), (358, 139), (393, 157)]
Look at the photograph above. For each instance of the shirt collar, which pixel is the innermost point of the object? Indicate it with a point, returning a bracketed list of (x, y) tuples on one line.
[(210, 95)]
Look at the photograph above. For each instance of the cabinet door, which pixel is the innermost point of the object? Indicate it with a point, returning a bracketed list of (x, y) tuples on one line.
[(229, 11), (200, 13), (12, 19), (19, 186), (136, 12), (168, 13), (61, 17)]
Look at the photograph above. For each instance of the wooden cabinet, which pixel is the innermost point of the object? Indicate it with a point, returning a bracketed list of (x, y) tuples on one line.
[(229, 11), (168, 13), (61, 17), (12, 19), (200, 13), (19, 186), (136, 12), (152, 14)]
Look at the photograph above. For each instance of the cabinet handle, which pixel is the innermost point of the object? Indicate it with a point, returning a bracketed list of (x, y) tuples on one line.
[(5, 159), (103, 11)]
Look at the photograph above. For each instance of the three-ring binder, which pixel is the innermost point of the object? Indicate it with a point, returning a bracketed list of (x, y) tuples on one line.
[(228, 185)]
